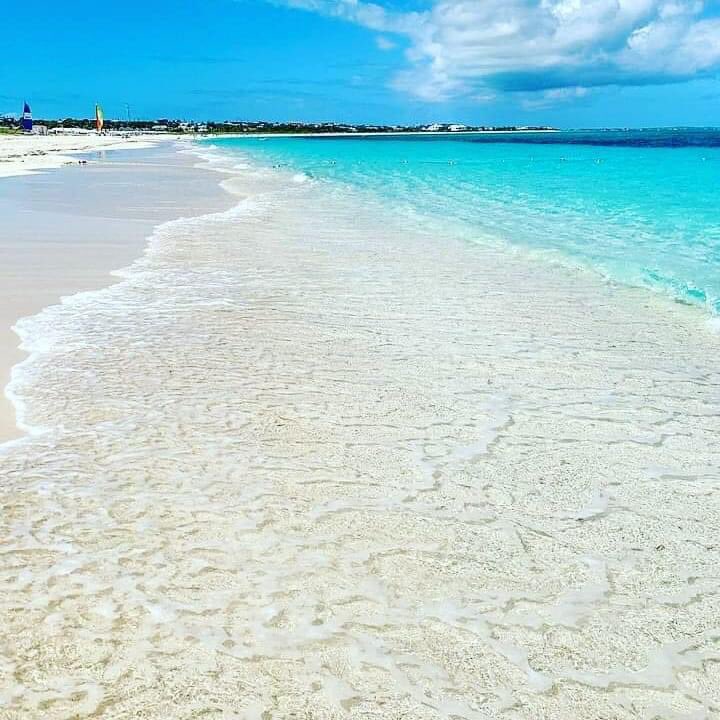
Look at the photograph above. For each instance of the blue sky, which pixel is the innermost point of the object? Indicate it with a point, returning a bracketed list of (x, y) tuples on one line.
[(571, 63)]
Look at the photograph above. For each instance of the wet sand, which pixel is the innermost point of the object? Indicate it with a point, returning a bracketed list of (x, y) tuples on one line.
[(65, 230)]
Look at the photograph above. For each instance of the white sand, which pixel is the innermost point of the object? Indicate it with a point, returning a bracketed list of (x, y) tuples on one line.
[(308, 460), (24, 154)]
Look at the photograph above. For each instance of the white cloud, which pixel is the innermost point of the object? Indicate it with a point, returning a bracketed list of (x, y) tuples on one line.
[(547, 98), (384, 43), (478, 47)]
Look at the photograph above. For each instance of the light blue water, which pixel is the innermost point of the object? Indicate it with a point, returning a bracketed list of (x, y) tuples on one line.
[(640, 208)]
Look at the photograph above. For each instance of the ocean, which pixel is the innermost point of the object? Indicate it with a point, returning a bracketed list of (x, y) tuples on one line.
[(638, 207), (348, 446)]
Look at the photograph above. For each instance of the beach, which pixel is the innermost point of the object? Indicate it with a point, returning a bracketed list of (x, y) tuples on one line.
[(307, 456), (66, 231), (26, 154)]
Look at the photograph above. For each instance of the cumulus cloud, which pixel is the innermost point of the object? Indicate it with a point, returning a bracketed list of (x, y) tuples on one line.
[(475, 48)]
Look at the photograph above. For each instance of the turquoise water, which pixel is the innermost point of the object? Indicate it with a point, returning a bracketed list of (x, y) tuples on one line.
[(640, 208)]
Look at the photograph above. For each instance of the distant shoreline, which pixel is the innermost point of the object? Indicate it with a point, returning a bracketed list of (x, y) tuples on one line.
[(391, 133)]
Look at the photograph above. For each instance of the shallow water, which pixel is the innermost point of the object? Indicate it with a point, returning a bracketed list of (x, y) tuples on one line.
[(310, 460), (65, 231), (638, 207)]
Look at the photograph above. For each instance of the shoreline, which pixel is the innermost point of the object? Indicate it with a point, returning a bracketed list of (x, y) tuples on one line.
[(392, 133), (136, 243), (26, 154), (56, 247)]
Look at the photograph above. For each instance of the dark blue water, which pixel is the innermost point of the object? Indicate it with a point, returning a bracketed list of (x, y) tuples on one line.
[(651, 138)]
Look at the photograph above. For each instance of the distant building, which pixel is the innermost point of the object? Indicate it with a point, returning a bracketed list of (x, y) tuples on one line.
[(39, 130), (69, 131), (435, 127), (457, 128)]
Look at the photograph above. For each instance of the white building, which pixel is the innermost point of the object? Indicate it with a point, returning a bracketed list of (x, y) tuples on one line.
[(69, 131)]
